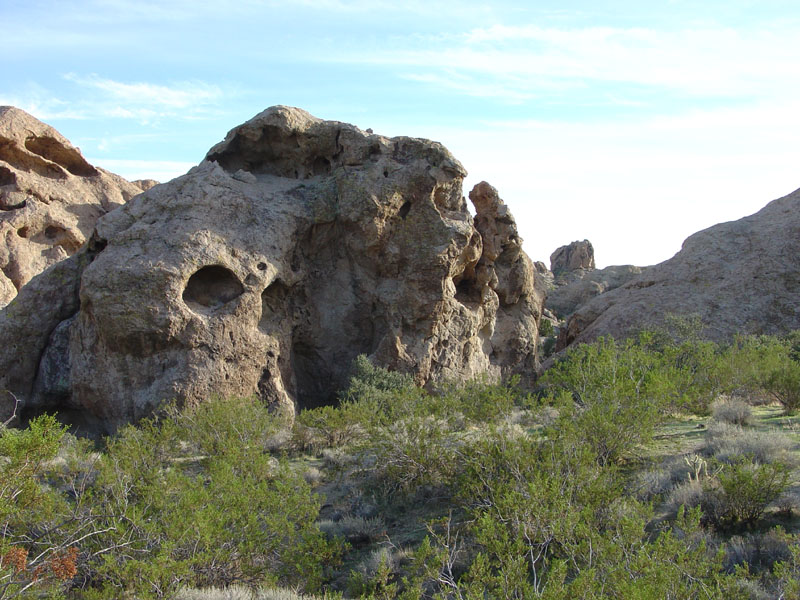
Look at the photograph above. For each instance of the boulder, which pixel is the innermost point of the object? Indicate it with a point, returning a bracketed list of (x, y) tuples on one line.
[(50, 198), (738, 277), (296, 245), (577, 255)]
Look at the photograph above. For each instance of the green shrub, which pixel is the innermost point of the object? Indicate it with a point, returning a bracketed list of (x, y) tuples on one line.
[(783, 383), (742, 491)]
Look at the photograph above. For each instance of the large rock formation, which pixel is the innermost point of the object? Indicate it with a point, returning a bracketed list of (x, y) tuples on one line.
[(742, 276), (50, 198), (574, 256), (295, 246)]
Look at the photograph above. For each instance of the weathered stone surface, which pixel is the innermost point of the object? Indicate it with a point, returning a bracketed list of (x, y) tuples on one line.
[(577, 255), (295, 246), (572, 289), (50, 198), (742, 276), (145, 184)]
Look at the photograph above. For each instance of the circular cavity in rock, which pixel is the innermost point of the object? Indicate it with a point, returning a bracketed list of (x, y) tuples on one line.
[(211, 287)]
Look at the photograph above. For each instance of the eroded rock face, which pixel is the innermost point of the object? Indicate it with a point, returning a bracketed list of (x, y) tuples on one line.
[(577, 255), (295, 246), (573, 289), (50, 198), (739, 277)]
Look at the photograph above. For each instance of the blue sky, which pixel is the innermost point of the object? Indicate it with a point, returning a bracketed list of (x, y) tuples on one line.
[(630, 124)]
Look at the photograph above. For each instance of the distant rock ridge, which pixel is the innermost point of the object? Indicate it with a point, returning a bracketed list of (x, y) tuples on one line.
[(738, 277), (572, 289), (296, 245), (50, 199)]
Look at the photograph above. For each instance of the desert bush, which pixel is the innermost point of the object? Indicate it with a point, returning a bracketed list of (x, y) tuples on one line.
[(689, 494), (732, 411), (742, 490), (37, 557), (782, 382), (661, 479), (237, 592), (354, 529), (759, 551), (727, 443), (234, 592), (618, 393)]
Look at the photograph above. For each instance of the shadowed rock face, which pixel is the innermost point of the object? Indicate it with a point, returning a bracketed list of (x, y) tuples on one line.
[(295, 246), (50, 199), (739, 277)]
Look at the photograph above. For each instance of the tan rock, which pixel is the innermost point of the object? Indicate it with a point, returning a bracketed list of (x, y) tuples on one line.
[(577, 255), (573, 289), (295, 246), (145, 184), (738, 277), (50, 198)]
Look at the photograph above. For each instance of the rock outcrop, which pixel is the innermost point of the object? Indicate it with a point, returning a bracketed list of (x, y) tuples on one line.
[(574, 256), (50, 198), (573, 289), (296, 245), (738, 277)]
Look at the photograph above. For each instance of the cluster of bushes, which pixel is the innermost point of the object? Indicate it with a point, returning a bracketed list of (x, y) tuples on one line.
[(536, 495), (191, 498)]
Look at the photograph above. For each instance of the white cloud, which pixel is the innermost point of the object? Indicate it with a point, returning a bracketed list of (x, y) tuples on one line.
[(529, 59), (147, 101)]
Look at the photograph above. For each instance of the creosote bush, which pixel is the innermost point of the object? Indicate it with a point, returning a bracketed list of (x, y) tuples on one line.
[(491, 492), (191, 497)]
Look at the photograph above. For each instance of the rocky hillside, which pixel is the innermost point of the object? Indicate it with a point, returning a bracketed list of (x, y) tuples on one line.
[(296, 245), (50, 198), (738, 277), (573, 279)]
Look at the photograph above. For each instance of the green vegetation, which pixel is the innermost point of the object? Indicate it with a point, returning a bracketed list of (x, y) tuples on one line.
[(661, 467)]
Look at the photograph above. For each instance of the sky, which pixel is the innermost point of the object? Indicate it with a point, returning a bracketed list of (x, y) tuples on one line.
[(631, 124)]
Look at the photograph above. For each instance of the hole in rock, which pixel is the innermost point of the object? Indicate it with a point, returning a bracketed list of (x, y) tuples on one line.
[(404, 210), (262, 266), (316, 382), (212, 286), (322, 166), (22, 232), (54, 151), (19, 159), (467, 292), (52, 232), (273, 305), (7, 177), (250, 279)]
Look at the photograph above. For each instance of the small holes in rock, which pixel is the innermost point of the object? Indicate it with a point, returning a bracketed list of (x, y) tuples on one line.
[(405, 209), (250, 279), (386, 172), (262, 266), (22, 232)]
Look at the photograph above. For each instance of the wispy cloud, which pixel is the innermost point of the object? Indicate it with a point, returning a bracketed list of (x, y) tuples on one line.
[(523, 61), (102, 97), (146, 101)]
